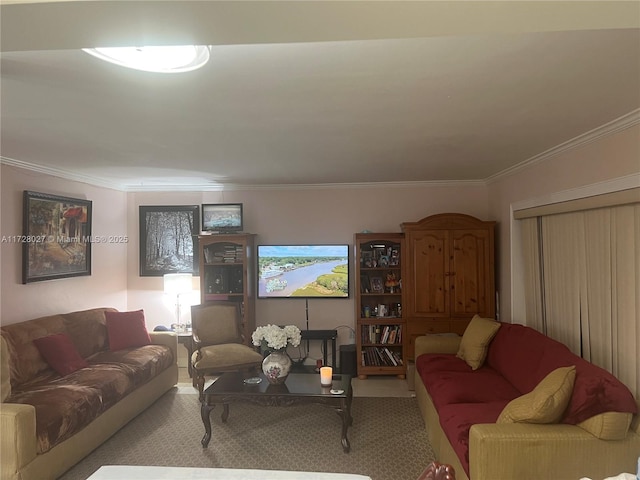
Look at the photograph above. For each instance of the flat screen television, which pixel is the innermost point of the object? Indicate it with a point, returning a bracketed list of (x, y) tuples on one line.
[(222, 217), (303, 271)]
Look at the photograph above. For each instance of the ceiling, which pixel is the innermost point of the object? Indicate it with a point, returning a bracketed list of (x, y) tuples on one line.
[(312, 93)]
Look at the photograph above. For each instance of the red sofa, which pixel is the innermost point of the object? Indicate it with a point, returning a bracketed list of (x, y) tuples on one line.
[(467, 403)]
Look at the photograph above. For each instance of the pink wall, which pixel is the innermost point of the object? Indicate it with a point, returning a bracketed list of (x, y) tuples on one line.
[(107, 285), (301, 215), (605, 159), (296, 215)]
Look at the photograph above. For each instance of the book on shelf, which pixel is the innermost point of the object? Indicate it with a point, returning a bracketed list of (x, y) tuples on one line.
[(385, 334), (380, 357), (381, 334), (392, 335)]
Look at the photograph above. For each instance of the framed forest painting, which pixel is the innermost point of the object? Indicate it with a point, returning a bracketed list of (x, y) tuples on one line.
[(56, 239), (169, 239)]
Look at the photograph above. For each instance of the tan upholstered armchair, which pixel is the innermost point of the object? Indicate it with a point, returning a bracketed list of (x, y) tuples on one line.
[(218, 345)]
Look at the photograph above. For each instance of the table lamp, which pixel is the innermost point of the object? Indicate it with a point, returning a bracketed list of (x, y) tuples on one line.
[(176, 284)]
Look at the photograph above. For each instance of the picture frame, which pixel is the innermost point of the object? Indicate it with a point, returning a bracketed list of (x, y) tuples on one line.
[(377, 286), (169, 239), (56, 239), (365, 286), (366, 258)]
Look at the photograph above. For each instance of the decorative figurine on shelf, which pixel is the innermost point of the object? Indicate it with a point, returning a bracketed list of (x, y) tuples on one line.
[(391, 283)]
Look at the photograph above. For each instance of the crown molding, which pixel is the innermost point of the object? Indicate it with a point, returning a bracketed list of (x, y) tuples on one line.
[(61, 173), (208, 187), (621, 123), (299, 186)]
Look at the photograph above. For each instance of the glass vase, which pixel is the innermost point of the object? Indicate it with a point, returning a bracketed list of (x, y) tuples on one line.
[(276, 367)]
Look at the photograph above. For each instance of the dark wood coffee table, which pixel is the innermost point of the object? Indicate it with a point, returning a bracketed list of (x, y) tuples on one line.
[(300, 388)]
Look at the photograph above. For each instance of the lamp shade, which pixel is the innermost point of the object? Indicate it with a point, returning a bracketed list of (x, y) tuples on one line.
[(177, 283)]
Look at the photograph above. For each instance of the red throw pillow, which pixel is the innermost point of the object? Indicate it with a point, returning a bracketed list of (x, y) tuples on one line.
[(126, 330), (60, 353)]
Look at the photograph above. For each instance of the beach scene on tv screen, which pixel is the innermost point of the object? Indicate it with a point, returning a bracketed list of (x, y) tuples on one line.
[(303, 271)]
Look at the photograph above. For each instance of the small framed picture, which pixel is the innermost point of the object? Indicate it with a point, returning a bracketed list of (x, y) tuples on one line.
[(383, 261), (366, 259), (376, 285), (365, 286)]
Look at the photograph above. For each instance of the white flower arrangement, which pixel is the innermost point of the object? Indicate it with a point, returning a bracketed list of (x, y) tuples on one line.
[(277, 337)]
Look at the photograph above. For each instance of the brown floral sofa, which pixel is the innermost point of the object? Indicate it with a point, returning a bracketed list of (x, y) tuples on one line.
[(70, 381)]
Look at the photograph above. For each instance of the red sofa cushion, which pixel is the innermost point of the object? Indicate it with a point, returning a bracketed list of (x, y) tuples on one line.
[(457, 419), (517, 349), (460, 385), (595, 390), (440, 362)]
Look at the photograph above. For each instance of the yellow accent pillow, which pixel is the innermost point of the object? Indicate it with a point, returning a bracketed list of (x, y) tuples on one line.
[(475, 340), (544, 404), (608, 425)]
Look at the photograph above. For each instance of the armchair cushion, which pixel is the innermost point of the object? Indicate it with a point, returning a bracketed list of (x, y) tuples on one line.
[(223, 357)]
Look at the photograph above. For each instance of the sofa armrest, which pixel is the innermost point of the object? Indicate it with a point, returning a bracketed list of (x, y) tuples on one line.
[(437, 344), (520, 450), (170, 339), (635, 421), (18, 439)]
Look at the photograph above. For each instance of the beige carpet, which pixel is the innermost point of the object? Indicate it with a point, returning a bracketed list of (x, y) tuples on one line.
[(388, 439)]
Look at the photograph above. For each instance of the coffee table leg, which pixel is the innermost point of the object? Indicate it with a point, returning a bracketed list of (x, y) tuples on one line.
[(345, 413), (205, 410), (225, 412)]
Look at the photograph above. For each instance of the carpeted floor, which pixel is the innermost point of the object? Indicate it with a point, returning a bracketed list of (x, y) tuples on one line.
[(388, 439)]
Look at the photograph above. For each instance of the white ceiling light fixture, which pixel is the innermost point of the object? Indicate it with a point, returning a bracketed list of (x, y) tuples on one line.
[(167, 59)]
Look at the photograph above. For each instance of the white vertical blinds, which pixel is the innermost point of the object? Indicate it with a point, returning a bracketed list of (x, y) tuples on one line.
[(588, 263), (563, 271), (534, 303)]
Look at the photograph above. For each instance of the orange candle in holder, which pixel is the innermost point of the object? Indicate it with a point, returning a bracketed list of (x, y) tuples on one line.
[(325, 376)]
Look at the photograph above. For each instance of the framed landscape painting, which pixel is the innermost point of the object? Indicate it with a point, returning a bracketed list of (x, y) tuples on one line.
[(56, 240), (169, 239)]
